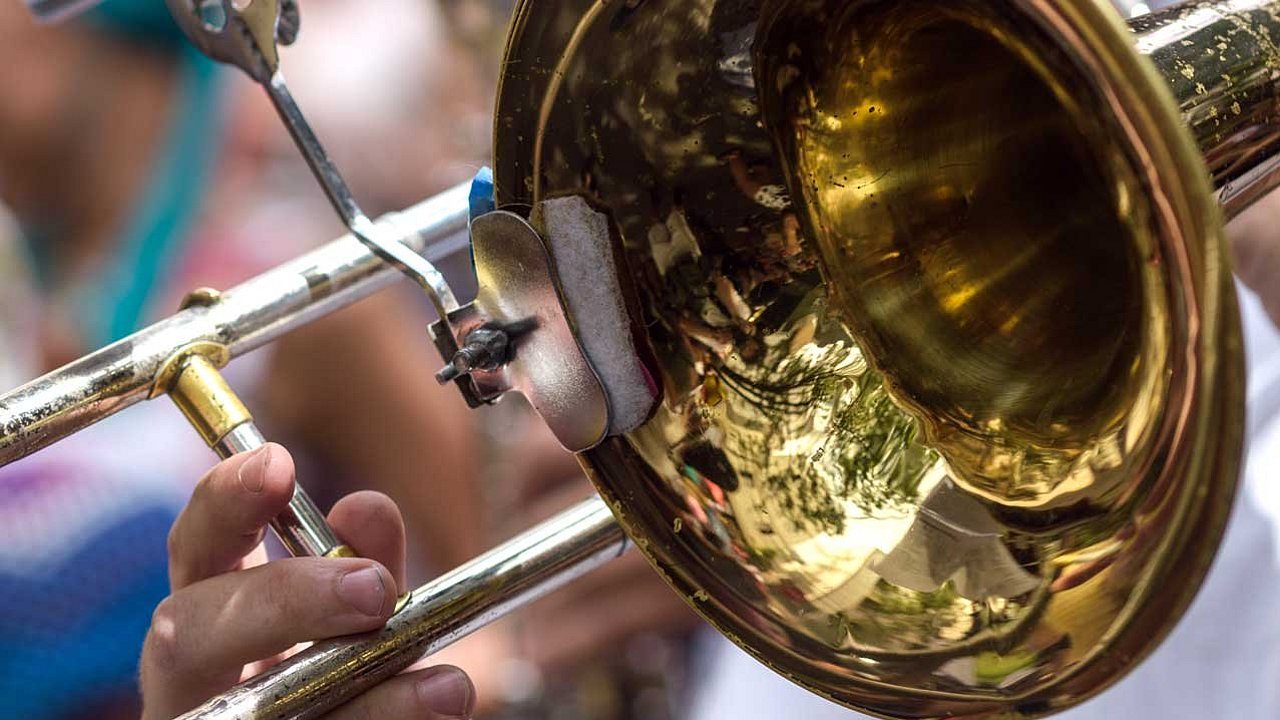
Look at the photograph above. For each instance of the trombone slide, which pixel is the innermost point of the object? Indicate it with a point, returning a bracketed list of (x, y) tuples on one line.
[(245, 317)]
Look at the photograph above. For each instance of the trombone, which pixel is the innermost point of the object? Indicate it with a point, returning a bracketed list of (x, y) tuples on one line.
[(940, 316)]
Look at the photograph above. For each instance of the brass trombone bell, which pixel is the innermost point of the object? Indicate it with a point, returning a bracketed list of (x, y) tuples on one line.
[(943, 314)]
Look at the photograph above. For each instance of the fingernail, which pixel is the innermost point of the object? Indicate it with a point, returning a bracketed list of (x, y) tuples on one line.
[(253, 472), (363, 590), (447, 691)]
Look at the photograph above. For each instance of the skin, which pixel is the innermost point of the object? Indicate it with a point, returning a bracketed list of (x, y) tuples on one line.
[(1255, 247), (231, 614), (372, 360), (383, 420), (85, 110), (77, 135)]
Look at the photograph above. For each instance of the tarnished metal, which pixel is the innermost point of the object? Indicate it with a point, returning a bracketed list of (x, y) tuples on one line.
[(951, 366), (315, 681), (301, 526), (240, 33), (244, 318), (205, 399), (1221, 60), (191, 379)]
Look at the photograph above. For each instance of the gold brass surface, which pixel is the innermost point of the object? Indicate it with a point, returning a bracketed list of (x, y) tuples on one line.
[(200, 297), (943, 317), (204, 397), (165, 377)]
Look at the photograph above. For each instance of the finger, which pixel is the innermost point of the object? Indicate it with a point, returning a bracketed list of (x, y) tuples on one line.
[(227, 514), (202, 635), (435, 693), (486, 655), (370, 523)]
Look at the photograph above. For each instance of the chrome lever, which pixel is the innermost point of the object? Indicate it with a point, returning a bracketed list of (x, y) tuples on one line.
[(245, 34)]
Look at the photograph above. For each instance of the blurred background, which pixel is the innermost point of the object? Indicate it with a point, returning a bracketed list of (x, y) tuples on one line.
[(132, 170)]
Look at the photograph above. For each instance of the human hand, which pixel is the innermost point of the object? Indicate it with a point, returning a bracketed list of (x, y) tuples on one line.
[(231, 614)]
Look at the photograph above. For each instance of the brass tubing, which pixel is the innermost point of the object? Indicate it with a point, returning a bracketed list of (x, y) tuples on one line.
[(302, 528), (1236, 152), (1222, 62), (226, 426), (207, 401)]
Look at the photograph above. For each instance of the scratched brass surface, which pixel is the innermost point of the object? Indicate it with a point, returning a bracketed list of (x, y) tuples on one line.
[(1220, 61), (942, 318)]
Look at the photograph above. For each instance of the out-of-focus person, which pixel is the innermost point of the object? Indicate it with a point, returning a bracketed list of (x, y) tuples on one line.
[(135, 170), (612, 645)]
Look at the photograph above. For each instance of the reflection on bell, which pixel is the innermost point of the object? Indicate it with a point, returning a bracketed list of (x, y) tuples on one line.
[(954, 540)]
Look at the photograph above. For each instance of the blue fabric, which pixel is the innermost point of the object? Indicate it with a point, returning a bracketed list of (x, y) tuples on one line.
[(481, 197), (75, 632)]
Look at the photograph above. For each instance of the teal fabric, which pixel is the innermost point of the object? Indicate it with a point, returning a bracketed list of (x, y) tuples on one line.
[(163, 216), (166, 212), (144, 21)]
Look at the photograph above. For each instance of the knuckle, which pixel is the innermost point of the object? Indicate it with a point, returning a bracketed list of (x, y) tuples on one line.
[(164, 646), (286, 583)]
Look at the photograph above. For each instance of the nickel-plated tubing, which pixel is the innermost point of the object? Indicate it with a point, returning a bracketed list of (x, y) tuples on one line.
[(301, 527), (344, 202), (244, 318), (242, 438), (437, 614)]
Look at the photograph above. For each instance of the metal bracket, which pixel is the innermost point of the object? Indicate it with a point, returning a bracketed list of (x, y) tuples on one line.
[(244, 36), (519, 297)]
